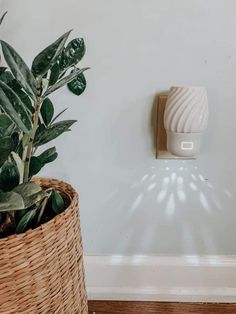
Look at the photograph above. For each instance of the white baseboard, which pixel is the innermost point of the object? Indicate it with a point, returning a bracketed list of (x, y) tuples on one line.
[(162, 278)]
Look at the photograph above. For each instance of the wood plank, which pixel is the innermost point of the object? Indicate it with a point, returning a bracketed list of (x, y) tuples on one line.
[(161, 132), (139, 307)]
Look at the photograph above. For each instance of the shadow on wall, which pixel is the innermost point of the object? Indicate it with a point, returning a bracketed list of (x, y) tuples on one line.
[(169, 210)]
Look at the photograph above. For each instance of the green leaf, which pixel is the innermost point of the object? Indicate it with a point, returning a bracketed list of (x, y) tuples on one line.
[(25, 100), (65, 80), (19, 163), (2, 17), (2, 70), (57, 202), (8, 78), (36, 163), (35, 166), (73, 53), (17, 104), (55, 73), (19, 69), (78, 85), (6, 145), (48, 57), (27, 189), (9, 176), (46, 135), (10, 201), (20, 150), (35, 198), (15, 138), (11, 82), (58, 115), (48, 155), (31, 193), (12, 105), (25, 221), (47, 111), (5, 125), (41, 209)]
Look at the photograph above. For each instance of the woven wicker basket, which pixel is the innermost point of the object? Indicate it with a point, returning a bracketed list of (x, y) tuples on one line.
[(41, 271)]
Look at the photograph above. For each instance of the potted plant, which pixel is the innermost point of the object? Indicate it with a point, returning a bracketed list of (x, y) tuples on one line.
[(41, 258)]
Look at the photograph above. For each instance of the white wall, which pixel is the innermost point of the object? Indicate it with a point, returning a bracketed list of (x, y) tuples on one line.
[(130, 202)]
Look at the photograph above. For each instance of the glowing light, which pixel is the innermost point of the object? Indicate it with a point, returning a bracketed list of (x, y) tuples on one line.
[(204, 201), (194, 177), (181, 195), (193, 186), (151, 186), (161, 196), (153, 177), (137, 202), (180, 180), (201, 177), (227, 192), (210, 185), (217, 203), (170, 207), (173, 177), (144, 177), (166, 181)]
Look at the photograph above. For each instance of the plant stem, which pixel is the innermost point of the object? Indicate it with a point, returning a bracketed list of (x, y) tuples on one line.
[(35, 120)]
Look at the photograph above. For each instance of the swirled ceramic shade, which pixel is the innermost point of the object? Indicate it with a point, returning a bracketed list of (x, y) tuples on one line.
[(185, 118), (186, 110)]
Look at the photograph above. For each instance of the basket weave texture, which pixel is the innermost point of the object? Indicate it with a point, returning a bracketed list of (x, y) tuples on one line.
[(41, 270)]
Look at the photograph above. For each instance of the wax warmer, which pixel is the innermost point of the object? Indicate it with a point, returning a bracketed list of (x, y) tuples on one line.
[(185, 119)]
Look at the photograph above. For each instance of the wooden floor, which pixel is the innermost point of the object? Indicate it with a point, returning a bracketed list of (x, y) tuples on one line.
[(123, 307)]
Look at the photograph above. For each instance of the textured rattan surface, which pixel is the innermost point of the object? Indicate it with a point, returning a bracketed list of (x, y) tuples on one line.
[(41, 271)]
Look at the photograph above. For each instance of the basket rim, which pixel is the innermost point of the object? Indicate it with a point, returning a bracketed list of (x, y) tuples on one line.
[(72, 195)]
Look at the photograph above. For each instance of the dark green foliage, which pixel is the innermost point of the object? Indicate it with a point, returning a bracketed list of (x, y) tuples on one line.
[(26, 101), (8, 78), (58, 115), (48, 134), (19, 69), (10, 201), (47, 111), (65, 80), (6, 125), (6, 146), (12, 106), (35, 166), (73, 53), (9, 176), (36, 163), (48, 155), (57, 202), (2, 17), (26, 220), (18, 105), (27, 121), (55, 73), (2, 70), (47, 58), (78, 85), (15, 139)]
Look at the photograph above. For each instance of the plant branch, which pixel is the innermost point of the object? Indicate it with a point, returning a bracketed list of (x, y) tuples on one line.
[(35, 120)]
